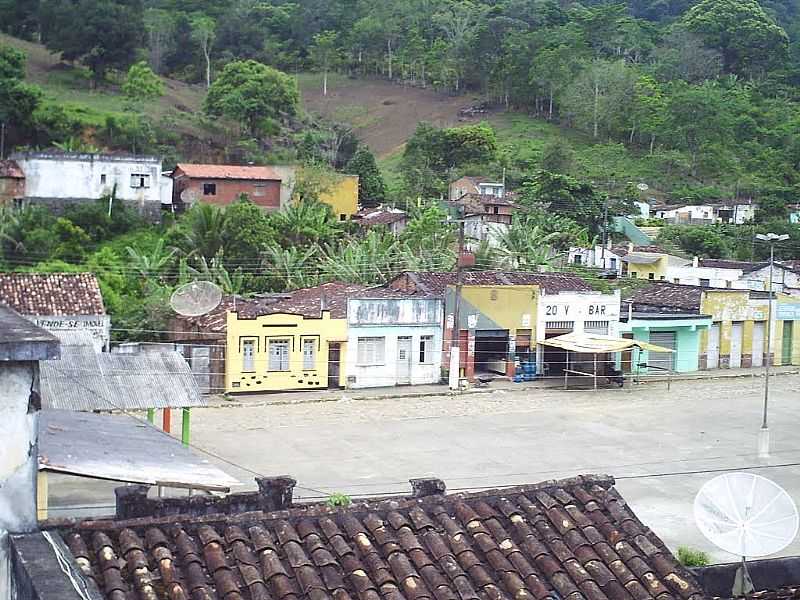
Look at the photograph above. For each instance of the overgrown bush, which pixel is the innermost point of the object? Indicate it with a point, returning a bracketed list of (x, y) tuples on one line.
[(689, 557)]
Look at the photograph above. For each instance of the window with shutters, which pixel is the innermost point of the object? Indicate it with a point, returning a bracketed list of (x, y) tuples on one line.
[(309, 355), (426, 349), (278, 355), (371, 351)]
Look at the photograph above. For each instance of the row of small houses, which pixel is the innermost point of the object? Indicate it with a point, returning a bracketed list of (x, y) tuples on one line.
[(338, 335)]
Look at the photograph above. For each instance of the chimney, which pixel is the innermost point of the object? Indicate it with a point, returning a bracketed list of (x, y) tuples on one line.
[(427, 486), (630, 246), (276, 492), (131, 502), (695, 262)]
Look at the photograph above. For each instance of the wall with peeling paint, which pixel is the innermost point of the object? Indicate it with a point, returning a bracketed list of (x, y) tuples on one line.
[(18, 458)]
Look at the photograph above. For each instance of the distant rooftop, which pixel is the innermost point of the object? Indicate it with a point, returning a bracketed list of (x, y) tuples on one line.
[(205, 171), (51, 294)]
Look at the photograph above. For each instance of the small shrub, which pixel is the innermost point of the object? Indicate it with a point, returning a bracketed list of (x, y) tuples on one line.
[(690, 557), (338, 500)]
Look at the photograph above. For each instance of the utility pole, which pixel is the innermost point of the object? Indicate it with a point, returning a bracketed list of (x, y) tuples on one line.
[(2, 140), (455, 347), (763, 433)]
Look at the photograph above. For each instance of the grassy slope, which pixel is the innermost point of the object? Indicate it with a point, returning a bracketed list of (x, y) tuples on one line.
[(69, 87), (385, 115)]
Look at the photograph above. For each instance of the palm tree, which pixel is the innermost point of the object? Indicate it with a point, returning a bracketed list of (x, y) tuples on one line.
[(290, 268), (525, 246), (215, 272), (306, 222), (368, 261), (151, 264), (202, 230), (9, 230)]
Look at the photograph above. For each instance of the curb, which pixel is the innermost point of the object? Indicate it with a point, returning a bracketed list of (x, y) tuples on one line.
[(469, 392)]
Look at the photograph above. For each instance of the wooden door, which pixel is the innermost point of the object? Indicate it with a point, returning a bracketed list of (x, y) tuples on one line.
[(403, 360), (334, 365)]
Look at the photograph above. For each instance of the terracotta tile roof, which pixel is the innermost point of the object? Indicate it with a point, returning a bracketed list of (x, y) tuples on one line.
[(435, 283), (10, 169), (573, 539), (666, 296), (50, 294), (308, 302), (380, 216), (228, 172)]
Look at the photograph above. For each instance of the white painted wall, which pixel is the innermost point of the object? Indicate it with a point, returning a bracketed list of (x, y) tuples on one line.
[(367, 376), (165, 191), (477, 231), (99, 326), (69, 176), (718, 278), (580, 308)]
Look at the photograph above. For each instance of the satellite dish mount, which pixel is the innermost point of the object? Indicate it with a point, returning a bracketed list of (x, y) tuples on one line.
[(195, 298)]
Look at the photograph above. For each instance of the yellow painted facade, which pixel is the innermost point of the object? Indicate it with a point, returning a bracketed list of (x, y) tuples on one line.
[(658, 269), (510, 307), (274, 352), (342, 196), (727, 307)]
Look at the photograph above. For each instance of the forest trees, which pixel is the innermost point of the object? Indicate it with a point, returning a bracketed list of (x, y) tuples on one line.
[(252, 94)]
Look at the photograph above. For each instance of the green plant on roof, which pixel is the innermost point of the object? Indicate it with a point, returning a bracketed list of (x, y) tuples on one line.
[(339, 500), (689, 557)]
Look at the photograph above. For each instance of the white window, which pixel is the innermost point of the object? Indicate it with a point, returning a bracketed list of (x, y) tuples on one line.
[(371, 350), (309, 355), (248, 355), (426, 349), (279, 355), (259, 190), (140, 180)]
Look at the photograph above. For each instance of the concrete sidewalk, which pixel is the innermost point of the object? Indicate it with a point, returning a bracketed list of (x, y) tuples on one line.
[(550, 384)]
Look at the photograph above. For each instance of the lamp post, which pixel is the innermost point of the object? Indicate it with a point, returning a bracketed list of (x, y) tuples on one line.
[(763, 433)]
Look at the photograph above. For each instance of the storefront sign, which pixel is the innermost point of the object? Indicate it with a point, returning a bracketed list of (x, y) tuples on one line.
[(787, 312)]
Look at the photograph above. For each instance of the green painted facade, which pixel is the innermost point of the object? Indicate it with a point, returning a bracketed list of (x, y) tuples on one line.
[(687, 339)]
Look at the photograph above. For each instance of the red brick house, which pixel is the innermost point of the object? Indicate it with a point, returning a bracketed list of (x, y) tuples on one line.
[(12, 182), (223, 184)]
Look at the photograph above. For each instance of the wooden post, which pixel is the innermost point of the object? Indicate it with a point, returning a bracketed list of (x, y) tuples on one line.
[(42, 499), (166, 418), (185, 423)]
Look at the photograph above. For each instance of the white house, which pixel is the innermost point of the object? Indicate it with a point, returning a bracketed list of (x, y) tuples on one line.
[(393, 339), (706, 214), (475, 185), (58, 179)]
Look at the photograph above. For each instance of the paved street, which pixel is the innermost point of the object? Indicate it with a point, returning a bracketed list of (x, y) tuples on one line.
[(639, 435)]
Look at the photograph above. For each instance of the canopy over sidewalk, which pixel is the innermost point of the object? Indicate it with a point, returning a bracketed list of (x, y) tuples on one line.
[(599, 344)]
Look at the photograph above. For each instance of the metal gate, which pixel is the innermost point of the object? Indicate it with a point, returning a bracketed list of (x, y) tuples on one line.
[(662, 360), (403, 360), (712, 352), (758, 344), (736, 345)]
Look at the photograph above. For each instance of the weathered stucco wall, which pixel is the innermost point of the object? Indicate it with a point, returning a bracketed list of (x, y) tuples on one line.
[(18, 459)]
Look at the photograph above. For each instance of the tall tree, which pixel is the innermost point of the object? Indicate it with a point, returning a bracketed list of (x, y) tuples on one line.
[(106, 35), (324, 54), (204, 33), (160, 25), (749, 40), (371, 188)]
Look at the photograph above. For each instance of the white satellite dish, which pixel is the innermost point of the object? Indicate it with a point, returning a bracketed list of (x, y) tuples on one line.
[(746, 514), (642, 187), (195, 298), (190, 196)]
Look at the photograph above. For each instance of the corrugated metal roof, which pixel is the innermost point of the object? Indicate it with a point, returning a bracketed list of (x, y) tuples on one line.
[(87, 380), (228, 172), (120, 448)]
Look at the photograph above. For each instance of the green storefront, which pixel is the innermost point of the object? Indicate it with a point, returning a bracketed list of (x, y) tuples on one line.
[(681, 332)]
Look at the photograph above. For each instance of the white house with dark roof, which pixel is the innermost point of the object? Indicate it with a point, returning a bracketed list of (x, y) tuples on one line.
[(59, 302)]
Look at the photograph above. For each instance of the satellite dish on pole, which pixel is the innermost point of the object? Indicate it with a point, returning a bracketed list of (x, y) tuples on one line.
[(642, 187), (195, 298), (746, 515), (190, 196)]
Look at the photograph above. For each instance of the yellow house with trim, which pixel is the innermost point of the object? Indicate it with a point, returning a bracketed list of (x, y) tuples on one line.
[(738, 333), (298, 342), (342, 196)]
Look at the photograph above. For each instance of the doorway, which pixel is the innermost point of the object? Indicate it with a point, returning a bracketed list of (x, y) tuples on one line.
[(758, 344), (404, 360), (786, 346), (736, 345), (712, 355), (334, 365)]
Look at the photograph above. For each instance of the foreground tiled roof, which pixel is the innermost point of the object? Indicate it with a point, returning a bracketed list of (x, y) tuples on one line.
[(228, 172), (435, 283), (663, 295), (562, 540), (10, 169), (50, 294)]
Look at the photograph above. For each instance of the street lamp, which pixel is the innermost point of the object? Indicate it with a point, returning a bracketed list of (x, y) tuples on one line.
[(763, 433)]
